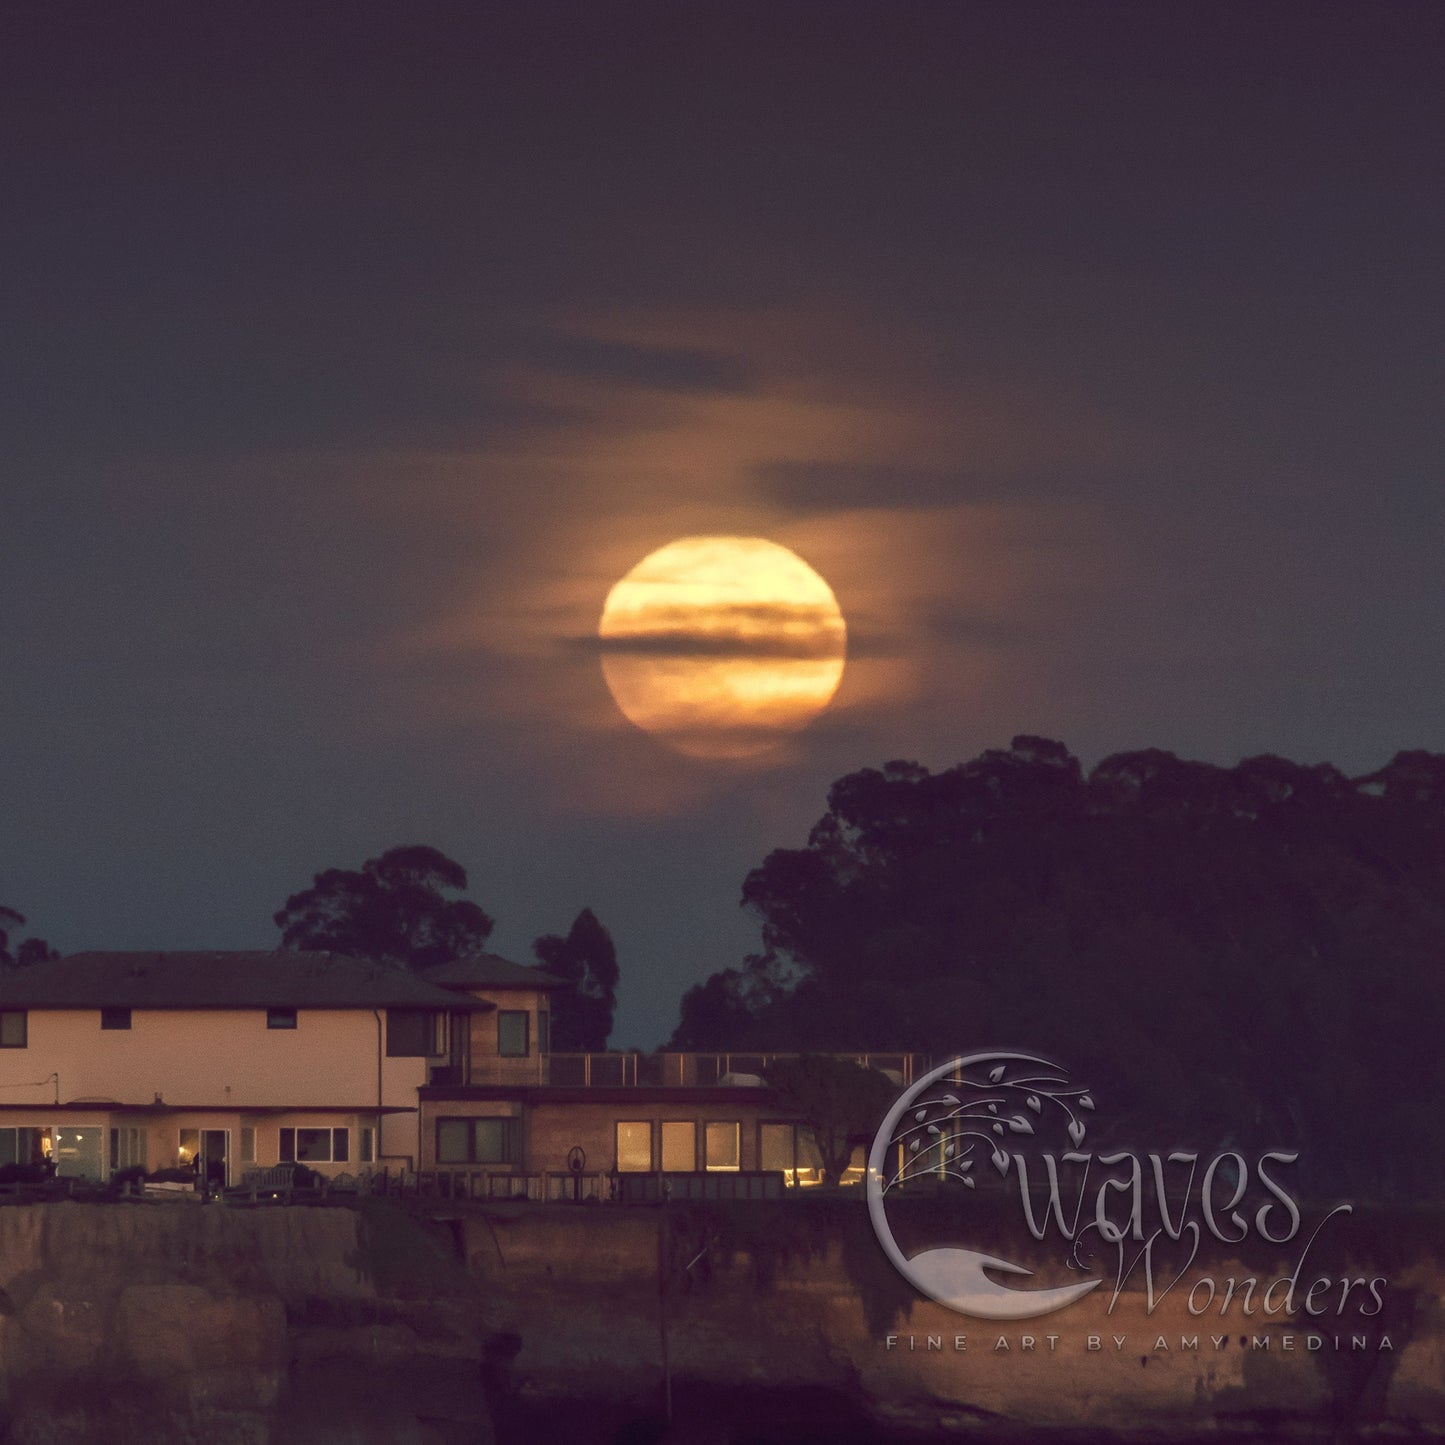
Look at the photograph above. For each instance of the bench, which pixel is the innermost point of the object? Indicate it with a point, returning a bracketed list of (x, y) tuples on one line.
[(276, 1182)]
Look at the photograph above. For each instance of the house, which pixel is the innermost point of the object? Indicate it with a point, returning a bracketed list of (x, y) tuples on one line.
[(227, 1060), (510, 1034), (114, 1059), (522, 1120)]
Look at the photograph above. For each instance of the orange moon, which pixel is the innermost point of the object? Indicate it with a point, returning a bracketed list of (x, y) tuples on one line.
[(721, 647)]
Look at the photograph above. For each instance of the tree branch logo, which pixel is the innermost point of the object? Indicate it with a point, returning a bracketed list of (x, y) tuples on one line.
[(994, 1114)]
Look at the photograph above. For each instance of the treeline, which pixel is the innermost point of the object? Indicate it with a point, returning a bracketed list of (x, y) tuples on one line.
[(1251, 955), (399, 908)]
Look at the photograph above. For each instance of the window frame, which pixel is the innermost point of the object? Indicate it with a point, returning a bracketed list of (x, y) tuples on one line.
[(417, 1033), (805, 1163), (288, 1149), (509, 1153), (675, 1125), (737, 1136), (23, 1015), (618, 1126), (513, 1014), (115, 1019), (281, 1018)]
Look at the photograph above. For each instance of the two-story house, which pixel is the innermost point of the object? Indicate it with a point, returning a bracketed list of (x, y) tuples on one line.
[(223, 1060), (520, 1119), (115, 1059)]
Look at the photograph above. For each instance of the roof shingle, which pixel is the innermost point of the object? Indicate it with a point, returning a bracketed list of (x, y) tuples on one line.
[(222, 980)]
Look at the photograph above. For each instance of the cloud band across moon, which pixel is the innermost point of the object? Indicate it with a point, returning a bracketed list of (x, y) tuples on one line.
[(722, 646)]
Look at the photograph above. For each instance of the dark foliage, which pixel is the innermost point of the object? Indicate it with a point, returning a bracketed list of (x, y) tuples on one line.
[(1248, 953), (587, 961), (26, 950), (394, 909), (839, 1103)]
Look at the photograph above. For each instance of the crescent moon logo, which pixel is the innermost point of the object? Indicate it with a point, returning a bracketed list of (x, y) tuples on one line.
[(944, 1124)]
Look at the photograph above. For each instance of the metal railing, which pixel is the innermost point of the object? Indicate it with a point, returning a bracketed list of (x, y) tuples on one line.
[(695, 1070)]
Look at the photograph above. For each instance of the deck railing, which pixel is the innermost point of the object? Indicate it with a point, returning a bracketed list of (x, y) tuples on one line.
[(695, 1070)]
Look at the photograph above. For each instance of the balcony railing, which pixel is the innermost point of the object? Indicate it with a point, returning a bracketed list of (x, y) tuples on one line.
[(695, 1070)]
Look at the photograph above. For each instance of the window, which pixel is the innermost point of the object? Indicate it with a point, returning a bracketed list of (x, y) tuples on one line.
[(280, 1018), (115, 1018), (24, 1146), (479, 1141), (792, 1149), (366, 1149), (679, 1145), (634, 1147), (12, 1028), (314, 1146), (207, 1151), (127, 1147), (512, 1034), (248, 1145), (722, 1146), (415, 1033), (544, 1032)]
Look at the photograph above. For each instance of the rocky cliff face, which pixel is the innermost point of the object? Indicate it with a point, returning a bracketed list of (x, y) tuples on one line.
[(202, 1323), (754, 1304), (186, 1322)]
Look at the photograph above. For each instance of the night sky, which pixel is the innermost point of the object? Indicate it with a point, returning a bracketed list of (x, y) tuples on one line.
[(1092, 353)]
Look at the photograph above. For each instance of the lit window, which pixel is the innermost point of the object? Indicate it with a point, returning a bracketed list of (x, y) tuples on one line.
[(679, 1146), (722, 1146), (792, 1149), (23, 1146), (775, 1148), (12, 1028), (115, 1018), (634, 1147), (512, 1034), (280, 1018)]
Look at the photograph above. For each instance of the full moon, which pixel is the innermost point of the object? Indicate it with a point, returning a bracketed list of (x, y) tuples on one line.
[(722, 646)]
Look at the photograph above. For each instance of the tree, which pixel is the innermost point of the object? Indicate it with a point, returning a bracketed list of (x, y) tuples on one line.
[(1250, 951), (27, 950), (839, 1102), (394, 909), (587, 962)]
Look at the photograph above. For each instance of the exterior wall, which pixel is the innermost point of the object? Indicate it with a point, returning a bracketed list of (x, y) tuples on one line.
[(551, 1129), (163, 1136), (485, 1066), (218, 1057)]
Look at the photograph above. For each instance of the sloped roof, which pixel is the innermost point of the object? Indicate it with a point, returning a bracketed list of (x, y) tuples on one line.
[(489, 970), (220, 980)]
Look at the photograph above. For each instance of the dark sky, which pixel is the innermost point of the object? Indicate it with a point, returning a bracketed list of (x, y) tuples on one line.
[(349, 354)]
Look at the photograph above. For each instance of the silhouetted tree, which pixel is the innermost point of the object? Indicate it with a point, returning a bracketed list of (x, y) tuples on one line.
[(587, 961), (1250, 950), (26, 950), (839, 1103), (394, 909)]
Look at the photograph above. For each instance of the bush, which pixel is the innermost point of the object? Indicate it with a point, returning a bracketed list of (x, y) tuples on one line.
[(23, 1173)]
